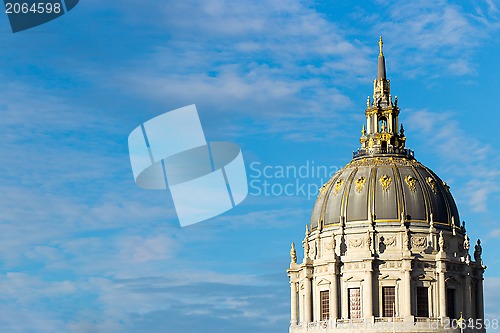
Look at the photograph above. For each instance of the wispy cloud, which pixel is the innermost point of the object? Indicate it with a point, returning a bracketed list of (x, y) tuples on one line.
[(83, 250), (476, 166), (428, 36), (272, 62), (491, 298)]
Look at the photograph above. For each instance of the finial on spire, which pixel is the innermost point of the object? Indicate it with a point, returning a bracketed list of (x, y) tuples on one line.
[(381, 66)]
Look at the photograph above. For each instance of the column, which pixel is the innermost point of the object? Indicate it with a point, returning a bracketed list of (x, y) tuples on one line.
[(468, 295), (407, 294), (442, 294), (480, 298), (344, 304), (301, 306), (307, 301), (368, 295), (334, 297), (294, 305)]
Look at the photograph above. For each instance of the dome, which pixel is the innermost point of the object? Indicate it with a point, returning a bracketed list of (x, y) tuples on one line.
[(384, 182), (384, 188), (384, 250)]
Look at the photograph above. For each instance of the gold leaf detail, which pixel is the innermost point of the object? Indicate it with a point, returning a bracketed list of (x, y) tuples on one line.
[(432, 184), (322, 189), (412, 183), (360, 182), (338, 185), (385, 181)]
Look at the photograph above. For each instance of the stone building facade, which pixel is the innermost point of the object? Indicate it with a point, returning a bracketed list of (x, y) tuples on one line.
[(385, 250)]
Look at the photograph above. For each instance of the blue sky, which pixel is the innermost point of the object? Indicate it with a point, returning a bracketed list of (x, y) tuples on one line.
[(83, 249)]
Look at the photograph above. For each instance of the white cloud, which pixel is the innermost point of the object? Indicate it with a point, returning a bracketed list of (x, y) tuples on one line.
[(491, 298), (445, 34), (475, 166), (281, 64)]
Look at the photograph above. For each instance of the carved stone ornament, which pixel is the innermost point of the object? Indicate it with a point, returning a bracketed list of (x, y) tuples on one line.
[(356, 242), (327, 248), (338, 186), (478, 251), (306, 248), (385, 181), (390, 241), (432, 183), (313, 250), (412, 183), (368, 240), (418, 241), (390, 264), (441, 241), (466, 243), (406, 240), (360, 183), (293, 254)]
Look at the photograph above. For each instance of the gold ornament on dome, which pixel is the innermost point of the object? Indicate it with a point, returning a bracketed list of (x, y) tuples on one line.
[(338, 185), (432, 184), (322, 189), (376, 161), (446, 186), (412, 183), (385, 181), (360, 183)]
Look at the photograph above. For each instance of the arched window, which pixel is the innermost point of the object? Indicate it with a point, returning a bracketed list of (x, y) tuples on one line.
[(382, 124)]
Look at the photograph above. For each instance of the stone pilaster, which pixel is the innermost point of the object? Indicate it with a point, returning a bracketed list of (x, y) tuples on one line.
[(480, 297), (334, 296), (294, 305), (467, 293), (368, 293), (307, 300), (441, 266), (406, 301)]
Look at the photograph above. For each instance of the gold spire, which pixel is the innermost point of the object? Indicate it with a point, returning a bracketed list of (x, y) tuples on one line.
[(381, 66), (381, 135)]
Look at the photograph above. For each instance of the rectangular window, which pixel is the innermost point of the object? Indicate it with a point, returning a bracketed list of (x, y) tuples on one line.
[(354, 303), (388, 301), (325, 304), (450, 303), (422, 302)]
